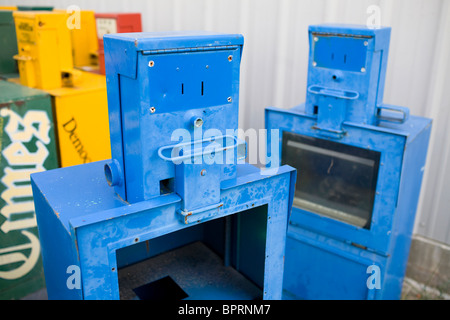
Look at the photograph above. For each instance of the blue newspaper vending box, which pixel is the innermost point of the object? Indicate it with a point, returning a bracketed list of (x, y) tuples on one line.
[(360, 164), (176, 213)]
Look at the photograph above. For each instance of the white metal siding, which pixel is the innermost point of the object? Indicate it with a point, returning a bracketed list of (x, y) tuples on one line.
[(274, 64)]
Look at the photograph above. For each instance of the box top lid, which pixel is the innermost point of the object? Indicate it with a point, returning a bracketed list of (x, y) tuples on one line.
[(33, 14), (35, 8), (6, 17), (12, 92), (143, 41), (116, 14), (351, 29), (88, 82)]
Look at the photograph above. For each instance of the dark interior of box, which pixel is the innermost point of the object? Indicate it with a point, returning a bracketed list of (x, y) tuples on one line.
[(334, 179), (220, 259)]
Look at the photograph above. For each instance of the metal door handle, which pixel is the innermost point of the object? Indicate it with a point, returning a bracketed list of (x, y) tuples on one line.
[(197, 153), (403, 111)]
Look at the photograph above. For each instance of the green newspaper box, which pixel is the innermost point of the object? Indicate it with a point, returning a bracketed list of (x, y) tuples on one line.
[(8, 44), (27, 145)]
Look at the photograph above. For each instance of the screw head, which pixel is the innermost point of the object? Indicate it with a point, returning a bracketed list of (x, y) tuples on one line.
[(314, 63), (230, 57), (229, 99), (152, 109), (363, 69), (316, 39), (151, 63), (203, 172), (366, 43)]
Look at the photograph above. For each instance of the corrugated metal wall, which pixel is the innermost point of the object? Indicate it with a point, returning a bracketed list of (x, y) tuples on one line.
[(275, 55)]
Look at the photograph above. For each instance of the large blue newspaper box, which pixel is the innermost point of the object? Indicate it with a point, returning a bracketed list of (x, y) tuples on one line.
[(176, 213), (360, 164)]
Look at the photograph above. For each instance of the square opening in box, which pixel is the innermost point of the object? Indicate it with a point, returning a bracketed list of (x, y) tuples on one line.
[(162, 289), (220, 259), (166, 186), (334, 179)]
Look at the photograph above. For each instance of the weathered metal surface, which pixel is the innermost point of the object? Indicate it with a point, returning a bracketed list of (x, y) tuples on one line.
[(27, 145), (335, 238), (144, 202)]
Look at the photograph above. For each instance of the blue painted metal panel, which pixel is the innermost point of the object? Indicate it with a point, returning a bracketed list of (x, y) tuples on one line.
[(342, 53), (351, 65), (318, 267), (159, 82), (166, 191), (57, 245), (409, 192), (344, 106), (391, 149), (99, 223)]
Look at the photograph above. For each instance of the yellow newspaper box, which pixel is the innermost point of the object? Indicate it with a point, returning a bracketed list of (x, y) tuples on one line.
[(83, 33), (81, 114), (79, 97), (44, 50)]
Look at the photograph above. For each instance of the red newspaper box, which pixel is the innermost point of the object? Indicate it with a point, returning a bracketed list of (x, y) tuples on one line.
[(114, 23)]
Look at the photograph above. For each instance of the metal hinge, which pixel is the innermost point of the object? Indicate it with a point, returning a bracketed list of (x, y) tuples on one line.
[(193, 49)]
